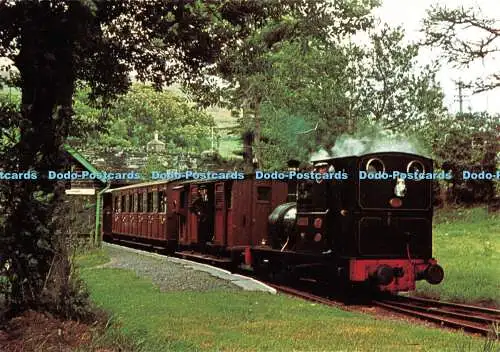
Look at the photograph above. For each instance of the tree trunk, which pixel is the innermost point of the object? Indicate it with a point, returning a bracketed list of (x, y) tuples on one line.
[(45, 63), (257, 162)]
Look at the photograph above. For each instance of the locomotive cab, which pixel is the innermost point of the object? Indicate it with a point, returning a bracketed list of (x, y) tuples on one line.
[(318, 209)]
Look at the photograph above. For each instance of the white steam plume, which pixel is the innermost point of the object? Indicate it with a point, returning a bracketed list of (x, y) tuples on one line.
[(364, 143), (320, 154)]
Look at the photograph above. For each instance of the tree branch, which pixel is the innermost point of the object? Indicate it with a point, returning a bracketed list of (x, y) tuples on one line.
[(445, 27)]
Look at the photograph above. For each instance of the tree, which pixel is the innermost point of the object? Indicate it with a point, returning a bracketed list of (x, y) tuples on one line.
[(246, 68), (54, 44), (396, 92), (133, 118), (314, 96), (452, 30), (467, 142)]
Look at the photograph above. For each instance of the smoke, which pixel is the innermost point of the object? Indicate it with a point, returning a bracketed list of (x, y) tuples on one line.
[(320, 154), (348, 145), (380, 141), (394, 145), (374, 141)]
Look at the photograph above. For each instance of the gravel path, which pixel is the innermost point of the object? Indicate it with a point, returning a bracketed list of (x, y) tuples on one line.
[(164, 272)]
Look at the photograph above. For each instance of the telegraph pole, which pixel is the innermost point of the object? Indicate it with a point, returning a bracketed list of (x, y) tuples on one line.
[(460, 96), (212, 137)]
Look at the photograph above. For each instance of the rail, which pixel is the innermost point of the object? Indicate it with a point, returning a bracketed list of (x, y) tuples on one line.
[(475, 319)]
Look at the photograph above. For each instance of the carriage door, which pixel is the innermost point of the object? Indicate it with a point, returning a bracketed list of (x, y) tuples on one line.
[(262, 197), (161, 205), (179, 207), (143, 220), (192, 217), (127, 224), (121, 214), (220, 214), (152, 214), (134, 217), (116, 216)]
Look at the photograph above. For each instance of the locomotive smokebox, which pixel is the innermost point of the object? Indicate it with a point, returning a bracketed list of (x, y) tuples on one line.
[(434, 274), (282, 225)]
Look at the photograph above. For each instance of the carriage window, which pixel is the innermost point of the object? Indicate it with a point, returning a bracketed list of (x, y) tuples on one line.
[(162, 202), (304, 193), (149, 208), (140, 203), (155, 202), (135, 203), (130, 203), (123, 205), (229, 196), (219, 196), (183, 199), (264, 193), (292, 191), (117, 204)]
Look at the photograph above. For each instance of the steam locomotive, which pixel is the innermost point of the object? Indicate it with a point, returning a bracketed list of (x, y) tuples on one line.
[(372, 228)]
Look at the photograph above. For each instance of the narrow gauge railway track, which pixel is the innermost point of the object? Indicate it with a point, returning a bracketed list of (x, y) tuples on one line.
[(304, 295), (480, 320), (474, 319)]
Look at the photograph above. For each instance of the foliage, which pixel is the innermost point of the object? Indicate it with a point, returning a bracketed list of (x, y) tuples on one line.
[(284, 141), (9, 101), (466, 137), (134, 117), (90, 118), (398, 94), (154, 163), (54, 45), (313, 96), (246, 69), (467, 142), (453, 30), (291, 74)]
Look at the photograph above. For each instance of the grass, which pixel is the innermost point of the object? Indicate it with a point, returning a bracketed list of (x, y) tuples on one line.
[(228, 145), (247, 321), (92, 258), (225, 123), (467, 246), (222, 117)]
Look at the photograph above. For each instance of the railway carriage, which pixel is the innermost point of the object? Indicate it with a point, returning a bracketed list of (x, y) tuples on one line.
[(160, 214)]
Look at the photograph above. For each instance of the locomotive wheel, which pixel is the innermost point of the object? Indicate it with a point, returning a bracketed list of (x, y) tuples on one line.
[(281, 273), (260, 268)]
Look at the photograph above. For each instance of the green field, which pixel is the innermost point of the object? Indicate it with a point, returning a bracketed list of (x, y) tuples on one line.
[(222, 117), (467, 245), (228, 145), (145, 319), (229, 141)]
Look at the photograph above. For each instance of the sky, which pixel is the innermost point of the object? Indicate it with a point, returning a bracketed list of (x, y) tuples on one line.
[(410, 14)]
